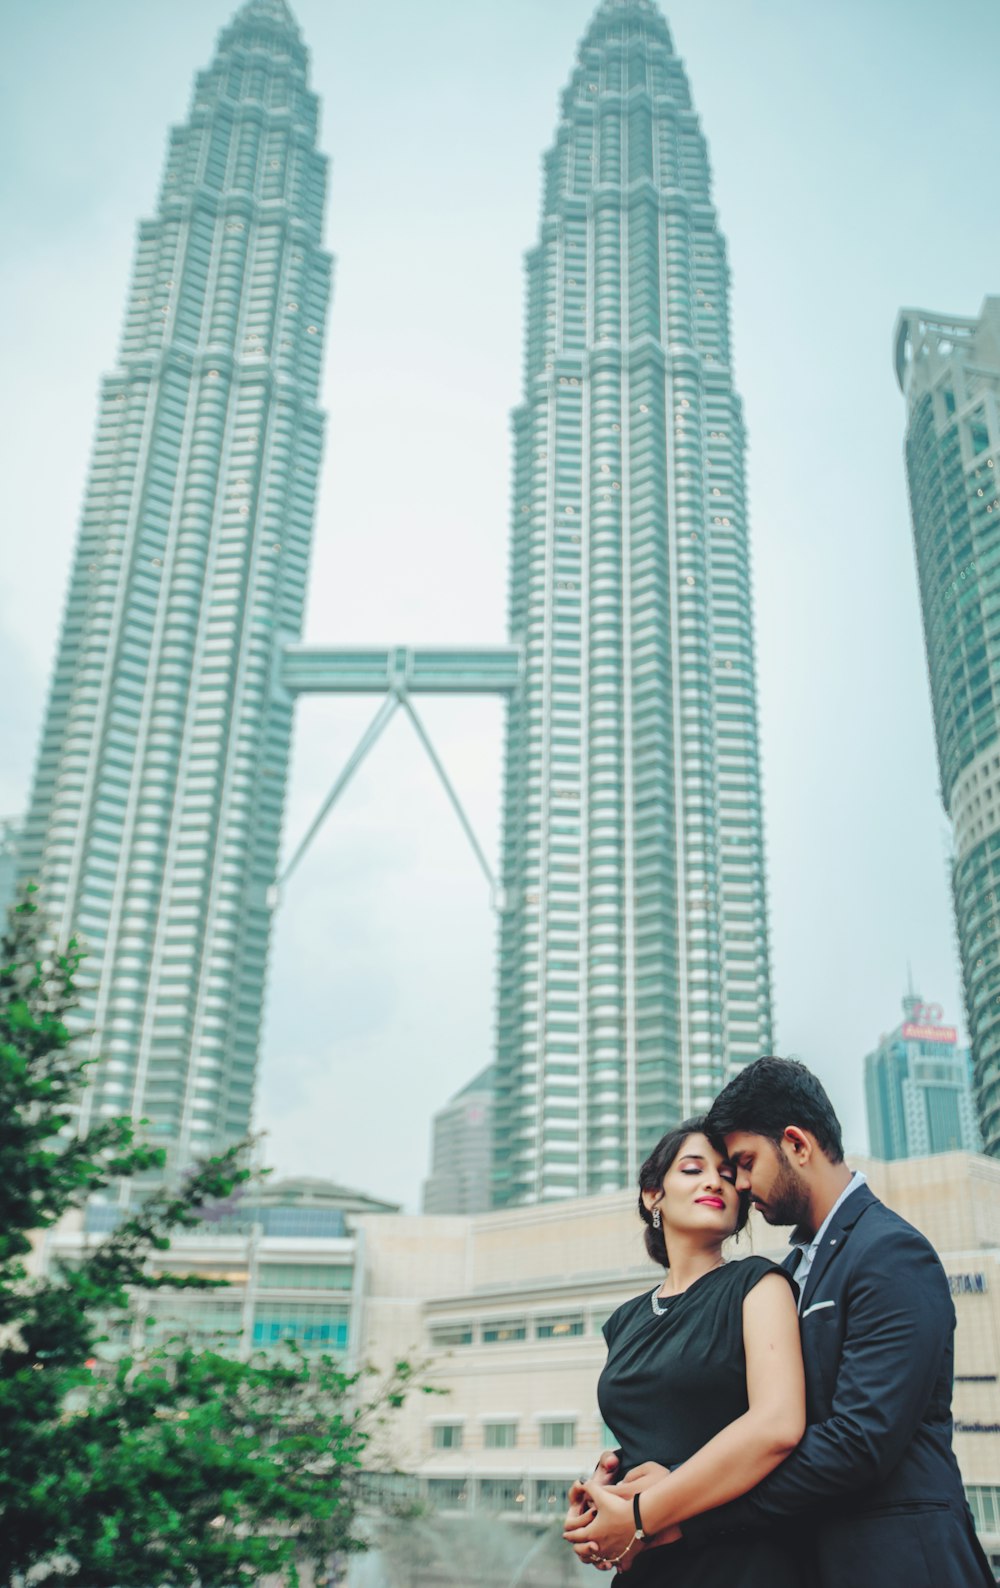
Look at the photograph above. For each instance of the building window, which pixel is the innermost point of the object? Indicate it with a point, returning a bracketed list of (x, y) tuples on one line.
[(447, 1494), (231, 1275), (556, 1328), (500, 1494), (451, 1334), (390, 1490), (500, 1436), (311, 1328), (558, 1435), (203, 1320), (984, 1503), (301, 1221), (498, 1333), (551, 1495), (446, 1436), (304, 1276)]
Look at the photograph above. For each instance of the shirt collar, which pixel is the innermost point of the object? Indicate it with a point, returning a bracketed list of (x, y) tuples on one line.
[(808, 1248)]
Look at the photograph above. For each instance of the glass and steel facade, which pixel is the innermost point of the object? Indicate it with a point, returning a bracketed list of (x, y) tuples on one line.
[(949, 371), (154, 821), (634, 973)]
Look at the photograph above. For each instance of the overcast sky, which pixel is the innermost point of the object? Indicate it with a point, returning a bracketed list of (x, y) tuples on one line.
[(851, 147)]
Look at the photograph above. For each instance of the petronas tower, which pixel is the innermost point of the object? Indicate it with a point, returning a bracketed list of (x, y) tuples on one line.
[(633, 927), (634, 971), (154, 822)]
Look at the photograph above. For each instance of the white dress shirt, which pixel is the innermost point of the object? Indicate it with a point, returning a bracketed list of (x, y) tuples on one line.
[(810, 1248)]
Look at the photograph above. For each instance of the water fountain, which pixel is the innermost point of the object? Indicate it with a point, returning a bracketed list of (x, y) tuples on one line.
[(434, 1551)]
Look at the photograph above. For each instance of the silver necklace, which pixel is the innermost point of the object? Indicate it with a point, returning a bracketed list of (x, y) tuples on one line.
[(657, 1308)]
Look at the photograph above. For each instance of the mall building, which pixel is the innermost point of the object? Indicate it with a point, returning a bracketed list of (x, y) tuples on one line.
[(503, 1312)]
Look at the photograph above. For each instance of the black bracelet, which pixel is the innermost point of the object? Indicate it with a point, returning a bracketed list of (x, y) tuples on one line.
[(637, 1517)]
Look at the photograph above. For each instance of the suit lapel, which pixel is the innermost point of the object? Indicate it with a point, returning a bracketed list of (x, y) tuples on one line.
[(837, 1233)]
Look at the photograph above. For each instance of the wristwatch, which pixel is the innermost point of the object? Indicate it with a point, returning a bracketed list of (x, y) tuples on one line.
[(637, 1517)]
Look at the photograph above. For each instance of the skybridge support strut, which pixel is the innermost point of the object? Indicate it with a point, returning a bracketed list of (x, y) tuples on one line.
[(397, 672)]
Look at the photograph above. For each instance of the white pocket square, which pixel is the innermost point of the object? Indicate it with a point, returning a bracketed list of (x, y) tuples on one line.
[(818, 1306)]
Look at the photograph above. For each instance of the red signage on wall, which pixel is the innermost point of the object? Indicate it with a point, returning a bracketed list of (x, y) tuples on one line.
[(915, 1033)]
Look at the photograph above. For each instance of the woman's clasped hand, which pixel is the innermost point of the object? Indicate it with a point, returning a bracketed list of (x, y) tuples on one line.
[(602, 1524)]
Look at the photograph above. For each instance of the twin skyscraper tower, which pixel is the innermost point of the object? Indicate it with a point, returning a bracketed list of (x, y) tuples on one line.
[(633, 962)]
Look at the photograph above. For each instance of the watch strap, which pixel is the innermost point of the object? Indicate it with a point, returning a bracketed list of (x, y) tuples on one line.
[(637, 1517)]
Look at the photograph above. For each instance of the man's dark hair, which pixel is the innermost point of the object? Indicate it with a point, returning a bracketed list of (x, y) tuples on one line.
[(771, 1094)]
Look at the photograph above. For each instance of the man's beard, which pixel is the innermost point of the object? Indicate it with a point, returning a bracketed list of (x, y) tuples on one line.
[(788, 1202)]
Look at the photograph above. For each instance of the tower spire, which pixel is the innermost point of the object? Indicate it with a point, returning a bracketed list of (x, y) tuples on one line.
[(266, 11), (273, 16)]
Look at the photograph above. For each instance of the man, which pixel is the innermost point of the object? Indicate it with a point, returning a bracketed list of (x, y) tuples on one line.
[(874, 1483)]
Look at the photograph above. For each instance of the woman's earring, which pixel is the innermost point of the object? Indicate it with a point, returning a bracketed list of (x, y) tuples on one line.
[(656, 1218)]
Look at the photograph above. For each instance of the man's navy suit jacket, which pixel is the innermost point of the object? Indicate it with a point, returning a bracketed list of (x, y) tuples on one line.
[(874, 1481)]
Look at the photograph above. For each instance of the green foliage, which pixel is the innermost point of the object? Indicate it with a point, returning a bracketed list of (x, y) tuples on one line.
[(182, 1467)]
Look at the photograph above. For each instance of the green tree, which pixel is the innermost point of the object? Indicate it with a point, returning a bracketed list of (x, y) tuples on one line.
[(180, 1466)]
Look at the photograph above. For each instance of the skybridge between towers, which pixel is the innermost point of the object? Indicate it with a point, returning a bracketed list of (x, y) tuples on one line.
[(397, 673)]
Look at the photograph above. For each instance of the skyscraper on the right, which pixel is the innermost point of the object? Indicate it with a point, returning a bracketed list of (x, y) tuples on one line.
[(949, 371)]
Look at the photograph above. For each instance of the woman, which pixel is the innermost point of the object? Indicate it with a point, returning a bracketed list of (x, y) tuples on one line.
[(704, 1376)]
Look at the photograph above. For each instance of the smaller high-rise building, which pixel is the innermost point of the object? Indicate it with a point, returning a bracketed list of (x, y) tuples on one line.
[(459, 1181), (918, 1089)]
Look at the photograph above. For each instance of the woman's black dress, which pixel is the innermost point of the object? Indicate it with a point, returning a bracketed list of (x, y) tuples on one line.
[(671, 1382)]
